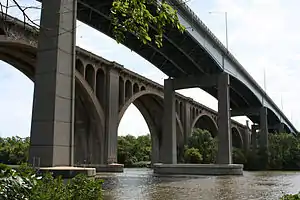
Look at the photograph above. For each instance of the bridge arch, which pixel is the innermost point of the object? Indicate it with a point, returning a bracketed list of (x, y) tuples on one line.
[(206, 122), (237, 140), (146, 93), (150, 104), (25, 60)]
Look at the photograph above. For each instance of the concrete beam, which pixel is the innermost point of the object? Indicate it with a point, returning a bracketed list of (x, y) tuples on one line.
[(195, 81), (245, 111)]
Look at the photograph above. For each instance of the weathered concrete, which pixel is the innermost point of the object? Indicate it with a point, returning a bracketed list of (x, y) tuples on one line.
[(263, 139), (198, 169), (224, 125), (67, 172), (169, 145), (112, 116), (52, 127), (254, 136)]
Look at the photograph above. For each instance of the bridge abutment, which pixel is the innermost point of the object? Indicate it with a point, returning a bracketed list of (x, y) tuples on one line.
[(52, 129)]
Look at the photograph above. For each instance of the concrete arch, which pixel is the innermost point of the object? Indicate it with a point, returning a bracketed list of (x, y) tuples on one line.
[(206, 122), (25, 61), (128, 89), (236, 137), (90, 75), (79, 66), (136, 88), (138, 95), (100, 85)]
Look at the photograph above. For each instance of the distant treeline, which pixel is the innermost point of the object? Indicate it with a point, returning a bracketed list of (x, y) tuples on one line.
[(283, 152)]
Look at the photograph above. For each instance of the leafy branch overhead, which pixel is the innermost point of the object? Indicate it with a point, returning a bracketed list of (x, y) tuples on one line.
[(146, 19)]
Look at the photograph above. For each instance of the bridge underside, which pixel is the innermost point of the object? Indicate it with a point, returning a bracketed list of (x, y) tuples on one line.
[(180, 56)]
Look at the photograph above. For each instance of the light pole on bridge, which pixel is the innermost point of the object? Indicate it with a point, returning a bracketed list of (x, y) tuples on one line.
[(226, 24), (226, 34)]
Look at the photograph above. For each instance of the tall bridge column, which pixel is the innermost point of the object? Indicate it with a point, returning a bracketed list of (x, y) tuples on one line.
[(224, 126), (254, 136), (52, 128), (187, 121), (263, 139), (111, 116), (168, 152)]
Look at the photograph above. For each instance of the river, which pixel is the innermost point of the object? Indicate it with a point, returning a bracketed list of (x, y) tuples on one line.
[(143, 184)]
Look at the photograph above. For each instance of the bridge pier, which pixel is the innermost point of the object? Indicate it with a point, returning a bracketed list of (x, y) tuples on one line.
[(254, 128), (52, 128), (168, 151), (224, 126), (112, 116), (264, 132), (262, 112)]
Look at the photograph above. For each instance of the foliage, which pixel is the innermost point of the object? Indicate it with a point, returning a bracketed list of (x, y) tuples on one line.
[(134, 152), (14, 150), (145, 19), (24, 184), (238, 156), (290, 197), (283, 154), (192, 155), (205, 143)]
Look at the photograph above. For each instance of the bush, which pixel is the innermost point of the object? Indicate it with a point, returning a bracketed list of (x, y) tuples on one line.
[(24, 184), (238, 156), (192, 155)]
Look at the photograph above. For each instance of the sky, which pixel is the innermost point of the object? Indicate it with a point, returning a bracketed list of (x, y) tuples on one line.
[(264, 35)]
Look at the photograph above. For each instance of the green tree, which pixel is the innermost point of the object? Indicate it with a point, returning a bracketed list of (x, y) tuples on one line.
[(192, 155), (205, 143), (14, 150), (134, 151), (145, 19)]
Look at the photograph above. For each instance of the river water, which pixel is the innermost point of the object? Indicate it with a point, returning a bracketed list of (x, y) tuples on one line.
[(143, 184)]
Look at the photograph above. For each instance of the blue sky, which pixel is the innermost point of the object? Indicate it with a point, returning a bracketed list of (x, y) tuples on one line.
[(263, 35)]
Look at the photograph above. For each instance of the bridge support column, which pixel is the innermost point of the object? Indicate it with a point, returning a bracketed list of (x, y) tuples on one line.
[(169, 146), (246, 138), (111, 116), (187, 121), (52, 128), (254, 136), (264, 131), (225, 144)]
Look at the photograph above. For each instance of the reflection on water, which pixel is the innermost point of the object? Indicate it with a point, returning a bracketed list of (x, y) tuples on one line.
[(142, 184)]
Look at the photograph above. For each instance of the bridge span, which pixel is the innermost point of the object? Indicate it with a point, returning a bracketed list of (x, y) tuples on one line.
[(18, 46), (195, 58)]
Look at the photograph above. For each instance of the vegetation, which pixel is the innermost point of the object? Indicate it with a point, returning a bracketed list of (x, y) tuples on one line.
[(206, 145), (283, 154), (145, 19), (24, 184), (14, 150), (291, 197), (134, 151)]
